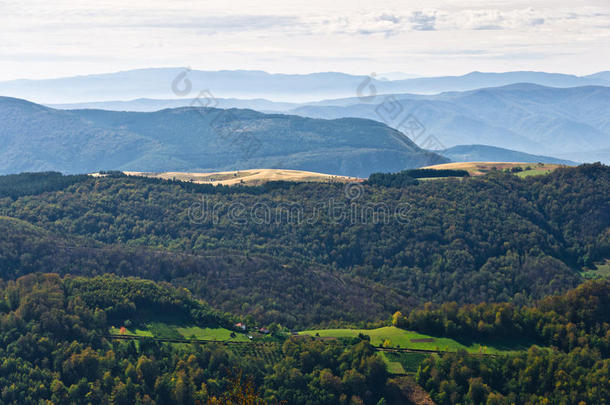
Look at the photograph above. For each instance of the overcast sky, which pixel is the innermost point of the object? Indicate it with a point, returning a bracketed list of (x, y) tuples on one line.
[(42, 39)]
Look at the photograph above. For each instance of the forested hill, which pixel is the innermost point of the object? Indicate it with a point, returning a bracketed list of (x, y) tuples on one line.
[(578, 373), (286, 249), (35, 138), (56, 349)]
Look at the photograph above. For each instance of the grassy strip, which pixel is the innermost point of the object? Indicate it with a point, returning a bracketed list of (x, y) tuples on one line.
[(408, 361), (601, 271), (210, 334), (533, 172), (396, 337), (169, 331), (394, 366)]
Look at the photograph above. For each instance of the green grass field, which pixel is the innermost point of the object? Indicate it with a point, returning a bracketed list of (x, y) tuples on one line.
[(602, 270), (210, 334), (533, 172), (403, 339), (133, 332), (394, 366), (403, 363), (165, 330)]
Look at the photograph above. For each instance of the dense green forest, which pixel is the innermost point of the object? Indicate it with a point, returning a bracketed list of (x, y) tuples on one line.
[(54, 348), (491, 258), (288, 292), (576, 371), (535, 377), (284, 252), (568, 321), (408, 177), (17, 185)]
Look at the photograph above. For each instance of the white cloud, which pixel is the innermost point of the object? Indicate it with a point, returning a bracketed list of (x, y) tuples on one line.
[(64, 37), (422, 21)]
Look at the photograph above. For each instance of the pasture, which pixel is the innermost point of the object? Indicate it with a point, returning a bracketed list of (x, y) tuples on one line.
[(171, 331), (601, 270), (404, 339)]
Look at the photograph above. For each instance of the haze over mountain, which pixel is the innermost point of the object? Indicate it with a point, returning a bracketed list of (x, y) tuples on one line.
[(36, 138), (571, 123), (486, 153), (179, 82), (152, 104)]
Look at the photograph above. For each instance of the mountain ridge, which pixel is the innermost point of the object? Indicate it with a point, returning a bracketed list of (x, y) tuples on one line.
[(568, 123), (159, 82), (527, 117), (487, 153), (38, 138)]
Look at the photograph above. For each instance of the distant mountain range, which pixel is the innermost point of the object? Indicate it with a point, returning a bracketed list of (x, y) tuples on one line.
[(151, 104), (571, 123), (485, 153), (178, 82), (37, 138)]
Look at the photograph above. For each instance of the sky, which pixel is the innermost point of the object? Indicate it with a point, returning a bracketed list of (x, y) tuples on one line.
[(44, 39)]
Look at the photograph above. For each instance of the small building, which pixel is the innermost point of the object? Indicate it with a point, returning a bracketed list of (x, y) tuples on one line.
[(240, 325)]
